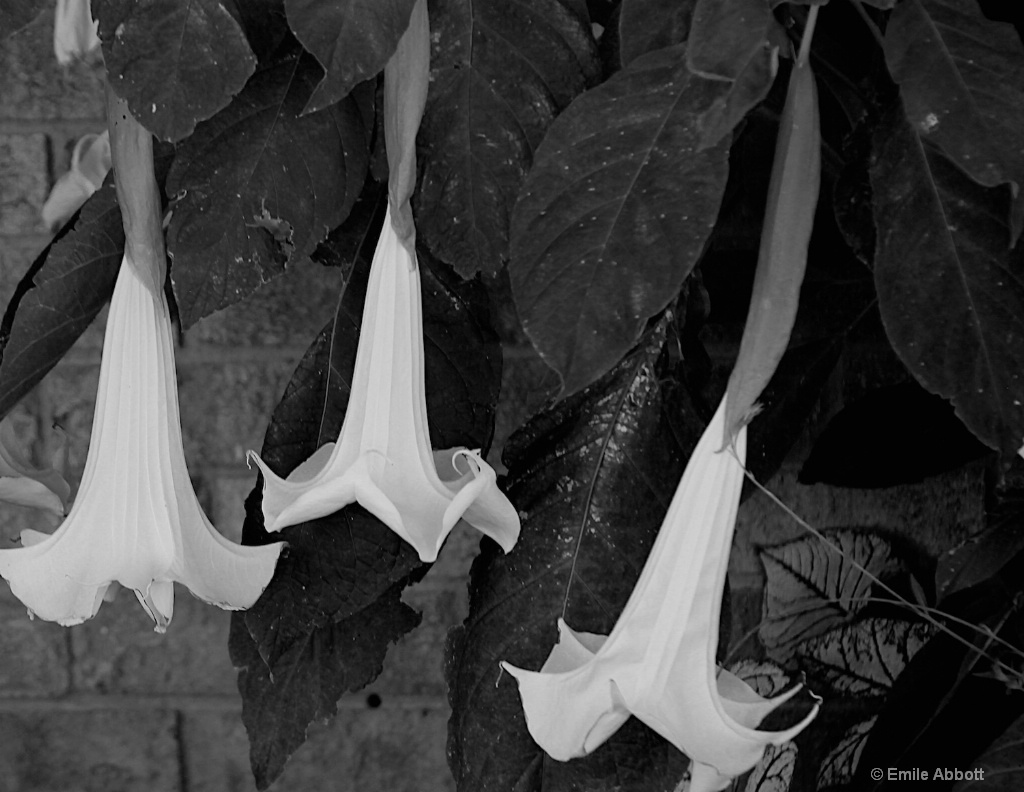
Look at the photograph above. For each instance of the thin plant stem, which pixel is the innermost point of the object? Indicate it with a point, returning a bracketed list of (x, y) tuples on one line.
[(805, 40)]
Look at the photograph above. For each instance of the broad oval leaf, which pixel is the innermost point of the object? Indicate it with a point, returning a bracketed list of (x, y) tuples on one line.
[(60, 295), (500, 72), (176, 62), (950, 292), (962, 81), (325, 621), (592, 478), (811, 589), (259, 186), (351, 39), (279, 704), (614, 213), (864, 658)]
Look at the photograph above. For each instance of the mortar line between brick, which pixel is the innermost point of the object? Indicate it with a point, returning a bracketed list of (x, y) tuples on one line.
[(80, 702)]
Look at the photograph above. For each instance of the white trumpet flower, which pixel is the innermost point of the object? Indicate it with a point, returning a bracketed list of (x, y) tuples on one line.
[(383, 458), (136, 519), (75, 34), (658, 663), (90, 162)]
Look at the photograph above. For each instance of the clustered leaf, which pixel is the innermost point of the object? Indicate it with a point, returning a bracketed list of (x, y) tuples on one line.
[(259, 185)]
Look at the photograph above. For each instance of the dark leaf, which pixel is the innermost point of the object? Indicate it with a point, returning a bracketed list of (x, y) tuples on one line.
[(592, 479), (899, 434), (962, 81), (176, 62), (863, 658), (500, 72), (811, 589), (1001, 766), (258, 187), (725, 35), (648, 25), (357, 235), (352, 40), (852, 198), (309, 680), (614, 213), (60, 295), (17, 14), (950, 293), (264, 24), (750, 87), (342, 575)]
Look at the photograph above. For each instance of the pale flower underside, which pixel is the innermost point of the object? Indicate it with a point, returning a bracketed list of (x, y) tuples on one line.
[(136, 519), (383, 459), (658, 663)]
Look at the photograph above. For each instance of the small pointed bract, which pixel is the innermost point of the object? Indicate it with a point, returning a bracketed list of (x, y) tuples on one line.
[(90, 163), (383, 458), (136, 519), (658, 663), (24, 484)]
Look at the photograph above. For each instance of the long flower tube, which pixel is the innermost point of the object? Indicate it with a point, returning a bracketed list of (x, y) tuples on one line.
[(136, 519), (658, 663), (383, 458)]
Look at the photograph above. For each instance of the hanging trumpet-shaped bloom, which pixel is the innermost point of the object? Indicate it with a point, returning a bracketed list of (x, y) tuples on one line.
[(25, 485), (383, 459), (658, 663), (136, 518), (90, 163), (74, 31)]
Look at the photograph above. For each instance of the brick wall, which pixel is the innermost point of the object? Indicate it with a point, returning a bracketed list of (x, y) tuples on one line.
[(110, 706)]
